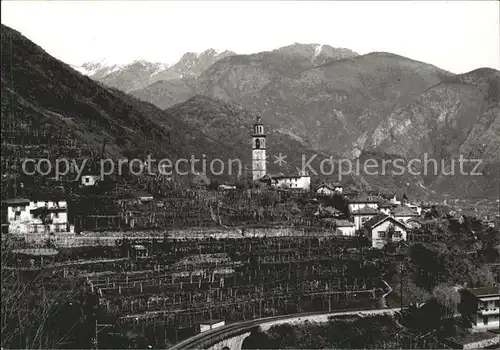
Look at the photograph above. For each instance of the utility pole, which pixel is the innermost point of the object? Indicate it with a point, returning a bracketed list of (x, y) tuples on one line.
[(97, 330), (401, 271)]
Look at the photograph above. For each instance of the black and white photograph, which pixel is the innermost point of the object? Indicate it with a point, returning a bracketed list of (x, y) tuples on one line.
[(232, 175)]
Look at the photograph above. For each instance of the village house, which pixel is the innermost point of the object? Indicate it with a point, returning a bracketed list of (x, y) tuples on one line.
[(382, 229), (90, 179), (301, 182), (346, 227), (481, 306), (404, 214), (362, 215), (329, 189), (25, 216), (285, 182), (362, 202)]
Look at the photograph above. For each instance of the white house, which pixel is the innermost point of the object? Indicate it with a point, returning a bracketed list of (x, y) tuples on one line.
[(383, 228), (34, 216), (300, 182), (329, 189), (362, 202), (362, 215), (481, 306), (346, 227), (89, 180)]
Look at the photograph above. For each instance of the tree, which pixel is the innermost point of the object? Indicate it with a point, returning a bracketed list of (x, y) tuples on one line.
[(43, 213), (448, 299)]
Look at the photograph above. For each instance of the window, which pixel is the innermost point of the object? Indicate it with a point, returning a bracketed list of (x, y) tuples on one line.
[(56, 215), (87, 179), (382, 234)]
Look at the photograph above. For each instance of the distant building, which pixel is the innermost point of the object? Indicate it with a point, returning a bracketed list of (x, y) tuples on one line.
[(227, 187), (383, 228), (300, 182), (481, 307), (361, 202), (90, 180), (329, 189), (404, 214), (25, 216), (140, 250), (362, 215), (346, 227)]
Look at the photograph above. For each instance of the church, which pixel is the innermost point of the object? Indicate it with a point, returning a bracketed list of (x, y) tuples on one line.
[(259, 164)]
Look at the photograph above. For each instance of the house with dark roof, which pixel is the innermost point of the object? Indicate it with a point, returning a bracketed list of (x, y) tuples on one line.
[(329, 189), (383, 228), (480, 306), (404, 214), (361, 202), (362, 215)]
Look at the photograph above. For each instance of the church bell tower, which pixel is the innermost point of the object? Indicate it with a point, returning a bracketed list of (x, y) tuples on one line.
[(258, 150)]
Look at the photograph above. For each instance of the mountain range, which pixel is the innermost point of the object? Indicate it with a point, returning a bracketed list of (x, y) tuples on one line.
[(140, 73), (313, 98)]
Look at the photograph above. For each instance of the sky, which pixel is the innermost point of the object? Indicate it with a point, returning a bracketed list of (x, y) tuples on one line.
[(457, 36)]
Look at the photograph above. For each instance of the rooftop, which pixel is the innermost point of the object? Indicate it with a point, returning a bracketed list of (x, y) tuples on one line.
[(14, 201), (378, 219), (365, 211), (484, 291), (364, 199), (385, 205), (404, 211), (330, 185)]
